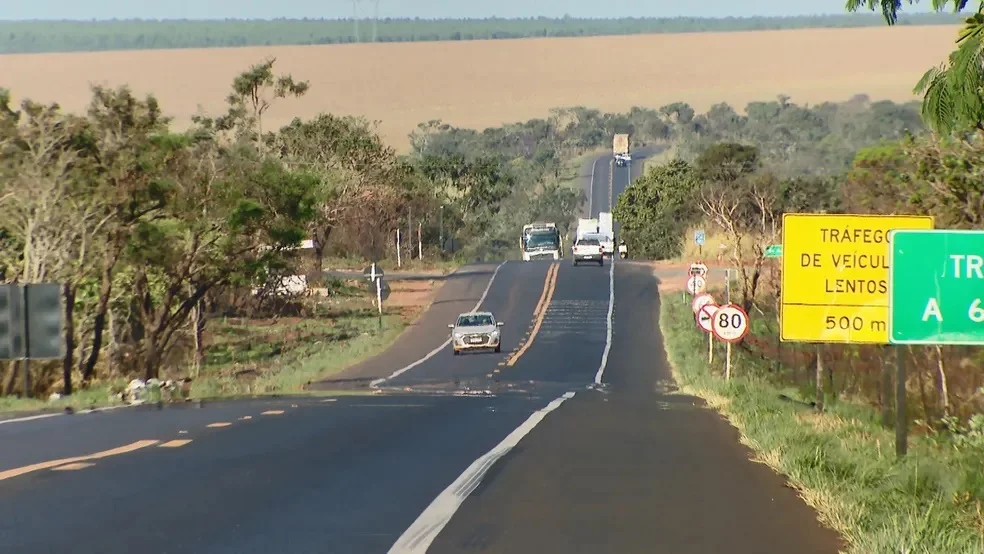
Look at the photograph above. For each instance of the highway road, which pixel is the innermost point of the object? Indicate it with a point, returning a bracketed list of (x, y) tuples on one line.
[(572, 439)]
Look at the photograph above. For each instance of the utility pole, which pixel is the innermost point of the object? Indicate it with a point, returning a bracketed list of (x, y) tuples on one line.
[(355, 19), (375, 20)]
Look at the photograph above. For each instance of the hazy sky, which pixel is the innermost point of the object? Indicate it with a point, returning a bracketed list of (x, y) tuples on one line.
[(266, 9)]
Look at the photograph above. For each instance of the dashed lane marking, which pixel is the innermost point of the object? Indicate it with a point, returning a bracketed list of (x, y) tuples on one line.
[(18, 471), (73, 467), (219, 424), (272, 412), (174, 444)]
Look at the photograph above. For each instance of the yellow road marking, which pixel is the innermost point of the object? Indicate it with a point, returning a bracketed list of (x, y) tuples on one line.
[(546, 286), (272, 412), (219, 424), (18, 471), (611, 181), (73, 467), (541, 311), (174, 443)]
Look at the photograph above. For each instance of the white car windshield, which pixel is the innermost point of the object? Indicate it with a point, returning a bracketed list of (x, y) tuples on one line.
[(474, 320)]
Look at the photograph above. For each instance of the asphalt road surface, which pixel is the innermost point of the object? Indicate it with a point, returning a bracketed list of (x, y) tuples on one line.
[(569, 440)]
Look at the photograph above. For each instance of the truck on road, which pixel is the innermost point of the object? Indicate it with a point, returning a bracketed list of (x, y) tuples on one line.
[(606, 229), (620, 149), (541, 241), (586, 226)]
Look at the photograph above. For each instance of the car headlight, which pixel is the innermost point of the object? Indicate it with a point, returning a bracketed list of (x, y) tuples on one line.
[(458, 335), (495, 334)]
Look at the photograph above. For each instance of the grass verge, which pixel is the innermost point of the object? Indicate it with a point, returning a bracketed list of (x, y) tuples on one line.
[(251, 358), (429, 264), (841, 461), (255, 357)]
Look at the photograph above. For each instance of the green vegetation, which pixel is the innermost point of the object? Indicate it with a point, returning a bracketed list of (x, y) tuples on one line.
[(951, 92), (75, 36), (779, 157), (841, 461), (161, 237)]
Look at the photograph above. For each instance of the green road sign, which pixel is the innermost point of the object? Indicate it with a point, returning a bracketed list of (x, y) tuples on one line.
[(773, 251), (936, 287)]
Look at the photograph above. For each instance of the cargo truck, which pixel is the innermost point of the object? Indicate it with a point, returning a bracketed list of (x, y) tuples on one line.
[(541, 241), (586, 226), (606, 229), (620, 149)]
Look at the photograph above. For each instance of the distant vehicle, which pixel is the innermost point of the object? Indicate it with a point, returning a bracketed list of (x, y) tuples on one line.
[(623, 250), (588, 249), (541, 241), (606, 228), (620, 149), (586, 226), (475, 331)]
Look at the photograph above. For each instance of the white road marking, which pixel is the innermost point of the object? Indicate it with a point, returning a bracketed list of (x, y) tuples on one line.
[(375, 382), (419, 536), (611, 307), (80, 412), (591, 186), (28, 418)]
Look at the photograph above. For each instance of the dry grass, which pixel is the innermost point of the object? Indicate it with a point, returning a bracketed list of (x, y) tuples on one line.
[(487, 83)]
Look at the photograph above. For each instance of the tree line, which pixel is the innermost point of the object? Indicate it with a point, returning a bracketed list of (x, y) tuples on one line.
[(78, 36), (152, 231)]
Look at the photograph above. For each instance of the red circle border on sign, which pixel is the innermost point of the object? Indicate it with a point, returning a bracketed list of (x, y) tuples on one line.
[(748, 324)]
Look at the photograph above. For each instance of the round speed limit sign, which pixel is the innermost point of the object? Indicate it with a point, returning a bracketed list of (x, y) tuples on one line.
[(730, 323), (696, 284), (701, 300)]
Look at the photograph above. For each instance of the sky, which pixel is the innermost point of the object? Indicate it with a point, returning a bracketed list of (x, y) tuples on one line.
[(266, 9)]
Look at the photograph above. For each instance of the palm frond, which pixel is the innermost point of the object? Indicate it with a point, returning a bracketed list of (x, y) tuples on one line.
[(926, 79)]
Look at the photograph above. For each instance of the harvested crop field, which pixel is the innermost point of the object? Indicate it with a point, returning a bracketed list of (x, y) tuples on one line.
[(488, 83)]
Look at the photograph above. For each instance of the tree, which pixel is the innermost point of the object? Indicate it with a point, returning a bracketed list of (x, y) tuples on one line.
[(655, 210), (47, 219), (119, 189), (952, 92), (212, 231), (348, 156), (253, 92), (939, 176)]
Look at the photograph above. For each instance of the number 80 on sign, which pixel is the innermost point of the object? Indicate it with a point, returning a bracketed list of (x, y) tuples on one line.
[(730, 323)]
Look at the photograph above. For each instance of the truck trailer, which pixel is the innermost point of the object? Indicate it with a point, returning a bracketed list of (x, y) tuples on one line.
[(620, 149), (606, 228)]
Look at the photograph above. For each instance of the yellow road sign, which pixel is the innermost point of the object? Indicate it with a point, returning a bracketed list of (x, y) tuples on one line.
[(835, 276)]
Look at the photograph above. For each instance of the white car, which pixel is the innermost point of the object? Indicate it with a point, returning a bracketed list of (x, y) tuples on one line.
[(475, 331), (588, 250)]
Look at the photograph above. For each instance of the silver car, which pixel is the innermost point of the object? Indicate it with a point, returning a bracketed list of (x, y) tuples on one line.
[(475, 331)]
